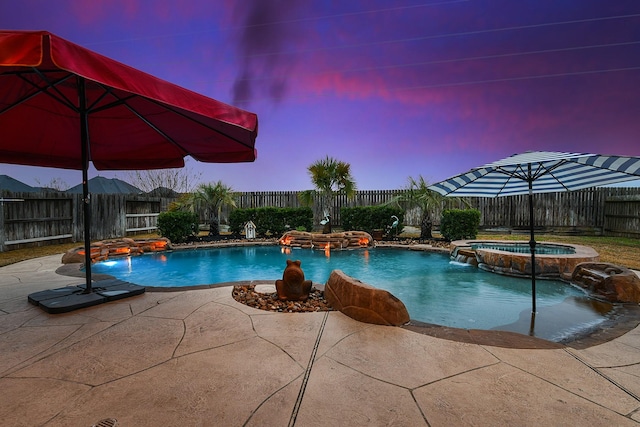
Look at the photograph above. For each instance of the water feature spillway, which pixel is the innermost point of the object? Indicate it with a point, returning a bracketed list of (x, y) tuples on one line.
[(513, 258)]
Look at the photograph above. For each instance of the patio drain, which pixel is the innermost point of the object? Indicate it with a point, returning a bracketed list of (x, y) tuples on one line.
[(107, 422)]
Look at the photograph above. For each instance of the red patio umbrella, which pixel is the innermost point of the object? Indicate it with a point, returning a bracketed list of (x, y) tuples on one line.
[(63, 106)]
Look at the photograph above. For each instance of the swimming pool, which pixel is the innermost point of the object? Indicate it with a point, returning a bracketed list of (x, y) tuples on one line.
[(433, 288)]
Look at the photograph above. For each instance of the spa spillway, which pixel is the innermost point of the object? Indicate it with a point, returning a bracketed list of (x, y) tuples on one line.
[(513, 258)]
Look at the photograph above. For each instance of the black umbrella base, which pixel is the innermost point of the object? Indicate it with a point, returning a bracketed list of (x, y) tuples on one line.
[(69, 298)]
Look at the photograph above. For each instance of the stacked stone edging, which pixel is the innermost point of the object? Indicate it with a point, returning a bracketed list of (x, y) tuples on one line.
[(106, 249), (344, 240), (519, 264), (609, 281)]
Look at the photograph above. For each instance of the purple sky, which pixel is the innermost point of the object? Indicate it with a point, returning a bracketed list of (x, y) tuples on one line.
[(396, 88)]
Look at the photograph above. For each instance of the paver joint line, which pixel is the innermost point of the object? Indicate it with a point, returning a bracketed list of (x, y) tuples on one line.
[(307, 373), (597, 370)]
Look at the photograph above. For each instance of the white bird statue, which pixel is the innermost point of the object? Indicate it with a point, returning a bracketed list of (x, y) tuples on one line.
[(394, 226), (326, 218)]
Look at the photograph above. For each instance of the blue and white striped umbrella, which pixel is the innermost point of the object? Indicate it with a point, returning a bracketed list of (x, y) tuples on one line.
[(543, 172), (540, 172)]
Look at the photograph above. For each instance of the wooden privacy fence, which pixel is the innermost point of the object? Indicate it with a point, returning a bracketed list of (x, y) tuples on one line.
[(622, 215), (580, 212), (28, 219), (595, 211), (289, 199)]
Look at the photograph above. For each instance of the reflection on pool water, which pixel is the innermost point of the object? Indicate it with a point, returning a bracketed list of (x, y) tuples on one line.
[(433, 288)]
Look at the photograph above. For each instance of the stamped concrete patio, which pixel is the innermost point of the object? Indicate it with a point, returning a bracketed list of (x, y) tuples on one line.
[(199, 358)]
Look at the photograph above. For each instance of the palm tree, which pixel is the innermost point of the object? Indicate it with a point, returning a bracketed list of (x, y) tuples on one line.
[(329, 176), (211, 198), (418, 195)]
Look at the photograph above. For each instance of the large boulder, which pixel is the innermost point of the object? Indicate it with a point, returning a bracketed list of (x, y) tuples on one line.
[(73, 256), (363, 302), (608, 281)]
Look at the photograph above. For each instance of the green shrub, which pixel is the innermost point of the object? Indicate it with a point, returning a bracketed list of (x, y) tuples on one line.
[(268, 221), (297, 218), (238, 218), (177, 226), (369, 218), (459, 224), (271, 220)]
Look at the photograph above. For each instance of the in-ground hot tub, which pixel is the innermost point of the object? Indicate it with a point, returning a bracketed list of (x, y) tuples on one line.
[(513, 258)]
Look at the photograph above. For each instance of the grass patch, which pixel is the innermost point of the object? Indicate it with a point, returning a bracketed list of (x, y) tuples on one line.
[(11, 257), (615, 250)]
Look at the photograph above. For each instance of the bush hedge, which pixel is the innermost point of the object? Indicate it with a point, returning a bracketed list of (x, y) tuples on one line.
[(459, 224), (370, 218), (177, 226), (271, 220)]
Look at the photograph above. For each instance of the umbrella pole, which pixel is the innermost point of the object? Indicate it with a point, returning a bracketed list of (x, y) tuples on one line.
[(87, 238), (532, 246), (84, 139)]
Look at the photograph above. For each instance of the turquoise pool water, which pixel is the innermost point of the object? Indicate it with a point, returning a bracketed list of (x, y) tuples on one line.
[(433, 288), (524, 248)]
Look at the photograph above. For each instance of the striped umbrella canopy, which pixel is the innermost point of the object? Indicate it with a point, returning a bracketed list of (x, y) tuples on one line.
[(540, 172)]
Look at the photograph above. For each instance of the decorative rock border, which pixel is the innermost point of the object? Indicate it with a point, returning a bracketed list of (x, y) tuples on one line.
[(345, 240), (352, 297), (265, 297), (106, 249)]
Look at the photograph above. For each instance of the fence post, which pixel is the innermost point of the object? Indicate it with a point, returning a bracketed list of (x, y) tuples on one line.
[(2, 236)]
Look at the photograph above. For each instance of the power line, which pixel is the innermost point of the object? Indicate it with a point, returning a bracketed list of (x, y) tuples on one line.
[(480, 82), (291, 21), (503, 55), (453, 60), (464, 59), (345, 14), (447, 35), (384, 42), (510, 79)]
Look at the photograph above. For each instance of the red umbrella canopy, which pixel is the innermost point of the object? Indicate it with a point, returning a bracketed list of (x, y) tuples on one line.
[(52, 90)]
